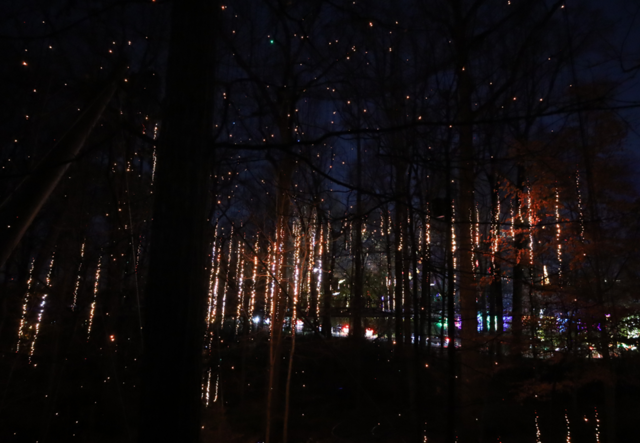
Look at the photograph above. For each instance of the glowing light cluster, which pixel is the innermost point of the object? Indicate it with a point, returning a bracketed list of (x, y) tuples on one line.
[(538, 440), (41, 312), (530, 220), (254, 281), (296, 275), (95, 298), (213, 284), (77, 287), (226, 280), (25, 306), (580, 210), (558, 232), (454, 245), (319, 279), (207, 390), (240, 282)]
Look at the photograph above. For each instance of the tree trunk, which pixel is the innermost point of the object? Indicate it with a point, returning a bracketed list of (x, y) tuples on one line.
[(176, 292)]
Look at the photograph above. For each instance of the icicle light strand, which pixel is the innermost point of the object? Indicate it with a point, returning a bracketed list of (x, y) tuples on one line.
[(78, 278), (25, 306), (41, 312), (95, 297)]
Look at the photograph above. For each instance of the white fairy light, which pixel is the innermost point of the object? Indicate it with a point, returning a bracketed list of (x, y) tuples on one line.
[(78, 278), (454, 245), (207, 389), (271, 272), (319, 279), (155, 158), (25, 306), (254, 278), (311, 260), (580, 210), (240, 283), (296, 275), (212, 283), (37, 329), (226, 282), (95, 297), (558, 232), (42, 303), (215, 396), (531, 222)]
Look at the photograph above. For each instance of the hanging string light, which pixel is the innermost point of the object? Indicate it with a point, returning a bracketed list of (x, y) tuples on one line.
[(453, 239), (580, 209), (495, 230), (311, 260), (537, 428), (558, 232), (513, 220), (254, 278), (474, 232), (277, 272), (566, 418), (213, 281), (226, 286), (41, 312), (155, 158), (420, 238), (240, 283), (37, 328), (531, 223), (78, 278), (25, 306), (271, 268), (296, 274), (207, 388), (215, 396), (319, 269), (139, 251), (95, 297), (545, 275)]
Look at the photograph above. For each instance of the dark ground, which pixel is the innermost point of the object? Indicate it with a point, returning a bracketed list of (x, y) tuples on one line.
[(341, 392)]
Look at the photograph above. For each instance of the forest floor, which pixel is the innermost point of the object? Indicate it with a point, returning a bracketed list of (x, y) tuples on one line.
[(351, 392), (342, 391)]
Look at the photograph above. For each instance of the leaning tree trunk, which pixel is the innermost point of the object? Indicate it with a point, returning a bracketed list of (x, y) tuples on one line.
[(176, 291)]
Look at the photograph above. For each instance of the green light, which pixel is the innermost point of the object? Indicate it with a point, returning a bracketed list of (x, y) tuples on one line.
[(271, 41)]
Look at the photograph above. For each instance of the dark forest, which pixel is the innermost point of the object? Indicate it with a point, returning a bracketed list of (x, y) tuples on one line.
[(319, 221)]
